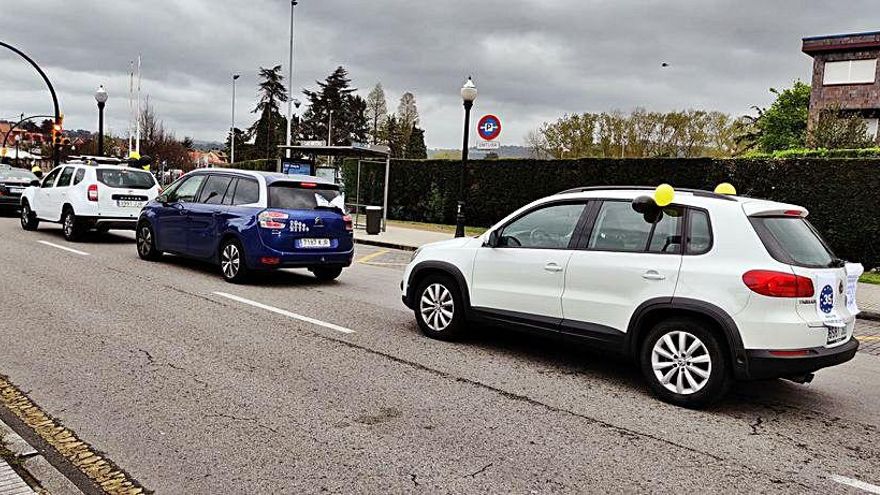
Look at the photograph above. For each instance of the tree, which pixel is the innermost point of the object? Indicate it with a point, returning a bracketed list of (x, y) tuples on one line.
[(269, 130), (784, 124), (836, 130), (407, 115), (160, 144), (415, 147), (349, 111), (377, 109), (392, 135)]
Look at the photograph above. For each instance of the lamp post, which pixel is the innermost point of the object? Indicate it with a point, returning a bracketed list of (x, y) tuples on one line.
[(468, 95), (290, 80), (101, 98), (232, 129)]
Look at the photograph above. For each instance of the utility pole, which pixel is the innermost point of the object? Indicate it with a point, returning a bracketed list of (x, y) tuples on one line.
[(232, 129), (290, 81)]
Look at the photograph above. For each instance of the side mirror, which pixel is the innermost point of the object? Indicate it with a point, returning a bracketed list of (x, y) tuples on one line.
[(35, 183), (493, 239)]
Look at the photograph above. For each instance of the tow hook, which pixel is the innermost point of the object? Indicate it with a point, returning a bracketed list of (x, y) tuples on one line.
[(803, 379)]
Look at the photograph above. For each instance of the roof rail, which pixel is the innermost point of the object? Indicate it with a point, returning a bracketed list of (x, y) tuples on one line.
[(696, 192)]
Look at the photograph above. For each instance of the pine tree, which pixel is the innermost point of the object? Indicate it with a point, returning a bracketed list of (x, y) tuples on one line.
[(377, 109), (392, 136), (269, 129), (415, 147), (349, 111)]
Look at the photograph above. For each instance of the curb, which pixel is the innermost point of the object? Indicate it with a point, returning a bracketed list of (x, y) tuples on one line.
[(384, 244)]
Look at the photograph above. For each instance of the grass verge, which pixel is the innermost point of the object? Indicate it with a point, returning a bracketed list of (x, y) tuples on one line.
[(870, 278), (436, 227)]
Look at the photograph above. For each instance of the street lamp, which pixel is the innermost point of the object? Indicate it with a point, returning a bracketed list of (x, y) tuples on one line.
[(232, 129), (101, 98), (290, 80), (468, 95)]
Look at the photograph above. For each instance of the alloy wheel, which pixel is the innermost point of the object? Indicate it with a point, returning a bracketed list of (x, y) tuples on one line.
[(230, 261), (437, 307), (68, 225), (25, 215), (145, 241), (681, 362)]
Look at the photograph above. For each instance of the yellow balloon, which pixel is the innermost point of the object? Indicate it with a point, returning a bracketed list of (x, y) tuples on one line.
[(134, 155), (664, 194), (725, 188)]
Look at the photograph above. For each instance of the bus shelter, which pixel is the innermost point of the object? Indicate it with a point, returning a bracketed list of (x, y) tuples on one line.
[(364, 154)]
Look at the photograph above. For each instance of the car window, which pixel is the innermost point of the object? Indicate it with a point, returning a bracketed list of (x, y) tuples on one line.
[(547, 228), (699, 238), (666, 237), (300, 196), (80, 174), (230, 191), (793, 240), (126, 178), (619, 227), (187, 190), (66, 175), (246, 192), (214, 190), (49, 180)]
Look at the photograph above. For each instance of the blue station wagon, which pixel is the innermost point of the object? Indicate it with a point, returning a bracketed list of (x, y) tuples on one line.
[(245, 221)]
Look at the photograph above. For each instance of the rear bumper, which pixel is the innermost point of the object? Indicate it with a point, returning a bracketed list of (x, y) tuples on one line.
[(764, 365), (305, 260), (115, 223)]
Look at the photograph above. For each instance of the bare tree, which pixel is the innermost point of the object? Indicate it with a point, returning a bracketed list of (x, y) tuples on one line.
[(377, 109)]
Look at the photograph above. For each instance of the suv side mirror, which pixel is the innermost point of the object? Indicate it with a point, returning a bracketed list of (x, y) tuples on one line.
[(35, 183), (493, 239)]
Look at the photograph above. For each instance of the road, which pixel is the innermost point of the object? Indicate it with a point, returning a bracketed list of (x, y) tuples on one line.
[(287, 385)]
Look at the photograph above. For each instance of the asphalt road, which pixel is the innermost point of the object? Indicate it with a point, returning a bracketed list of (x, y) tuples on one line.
[(194, 385)]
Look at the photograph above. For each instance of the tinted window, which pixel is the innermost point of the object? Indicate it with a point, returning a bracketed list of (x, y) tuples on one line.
[(620, 228), (79, 176), (666, 237), (296, 197), (247, 192), (230, 192), (215, 189), (49, 180), (125, 178), (186, 191), (699, 233), (66, 175), (793, 240), (547, 228)]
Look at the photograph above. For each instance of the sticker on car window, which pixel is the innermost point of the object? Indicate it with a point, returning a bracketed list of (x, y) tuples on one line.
[(854, 271)]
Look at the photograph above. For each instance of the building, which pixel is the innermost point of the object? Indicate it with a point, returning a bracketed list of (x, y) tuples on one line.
[(845, 75)]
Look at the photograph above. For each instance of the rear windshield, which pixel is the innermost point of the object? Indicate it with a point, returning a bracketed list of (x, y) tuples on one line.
[(9, 174), (291, 196), (128, 179), (792, 240)]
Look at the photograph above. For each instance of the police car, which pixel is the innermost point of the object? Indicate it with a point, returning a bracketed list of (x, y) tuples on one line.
[(88, 193), (699, 288)]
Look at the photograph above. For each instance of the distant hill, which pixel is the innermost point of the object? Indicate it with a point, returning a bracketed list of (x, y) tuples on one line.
[(475, 154), (207, 145)]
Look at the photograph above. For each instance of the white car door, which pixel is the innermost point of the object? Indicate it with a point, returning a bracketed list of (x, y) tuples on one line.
[(624, 262), (42, 196), (524, 275), (58, 194)]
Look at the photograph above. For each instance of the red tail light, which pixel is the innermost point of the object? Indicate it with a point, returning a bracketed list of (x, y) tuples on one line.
[(349, 225), (778, 284), (273, 219), (310, 185), (271, 261), (93, 192)]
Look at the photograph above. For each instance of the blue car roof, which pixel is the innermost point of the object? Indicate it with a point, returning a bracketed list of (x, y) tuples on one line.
[(272, 177)]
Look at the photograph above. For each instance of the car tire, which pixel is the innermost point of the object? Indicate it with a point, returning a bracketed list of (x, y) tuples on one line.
[(439, 308), (684, 363), (326, 273), (233, 266), (71, 226), (145, 241), (28, 217)]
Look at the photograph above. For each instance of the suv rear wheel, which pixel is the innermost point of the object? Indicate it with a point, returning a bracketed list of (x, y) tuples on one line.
[(684, 363), (439, 308), (28, 217), (71, 226), (232, 263)]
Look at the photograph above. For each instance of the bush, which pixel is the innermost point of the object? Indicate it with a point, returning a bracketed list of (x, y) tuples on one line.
[(817, 153), (843, 196)]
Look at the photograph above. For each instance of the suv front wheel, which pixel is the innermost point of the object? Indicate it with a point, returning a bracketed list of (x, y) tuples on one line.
[(684, 363), (439, 308), (28, 217)]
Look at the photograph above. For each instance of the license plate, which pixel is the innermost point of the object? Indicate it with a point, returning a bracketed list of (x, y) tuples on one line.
[(313, 243), (836, 335), (129, 204), (16, 190)]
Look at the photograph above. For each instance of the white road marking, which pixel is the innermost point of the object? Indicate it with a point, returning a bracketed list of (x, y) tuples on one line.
[(861, 485), (288, 314), (81, 253)]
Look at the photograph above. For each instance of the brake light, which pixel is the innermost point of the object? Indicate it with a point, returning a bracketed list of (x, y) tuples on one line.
[(793, 213), (93, 192), (272, 219), (778, 284), (310, 185), (798, 353), (349, 225), (271, 261)]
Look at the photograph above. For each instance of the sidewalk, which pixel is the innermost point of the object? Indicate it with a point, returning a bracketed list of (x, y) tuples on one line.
[(400, 238), (868, 296)]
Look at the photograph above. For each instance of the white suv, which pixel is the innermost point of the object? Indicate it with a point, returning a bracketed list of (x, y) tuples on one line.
[(82, 196), (705, 290)]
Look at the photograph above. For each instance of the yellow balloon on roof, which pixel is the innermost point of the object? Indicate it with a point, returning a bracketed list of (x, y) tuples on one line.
[(664, 194), (725, 188), (134, 155)]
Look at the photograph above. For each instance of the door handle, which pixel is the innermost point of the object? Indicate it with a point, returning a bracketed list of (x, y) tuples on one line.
[(552, 267), (653, 275)]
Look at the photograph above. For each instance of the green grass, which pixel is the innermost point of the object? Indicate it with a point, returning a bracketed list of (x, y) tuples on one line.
[(870, 278), (436, 227)]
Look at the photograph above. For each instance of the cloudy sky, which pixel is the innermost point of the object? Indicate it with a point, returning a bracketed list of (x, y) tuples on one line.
[(533, 60)]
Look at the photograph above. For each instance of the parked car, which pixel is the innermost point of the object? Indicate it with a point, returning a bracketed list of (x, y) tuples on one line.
[(708, 289), (13, 182), (83, 196), (245, 221)]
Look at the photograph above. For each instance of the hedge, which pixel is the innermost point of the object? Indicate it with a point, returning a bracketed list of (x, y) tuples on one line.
[(260, 165), (843, 195), (818, 153)]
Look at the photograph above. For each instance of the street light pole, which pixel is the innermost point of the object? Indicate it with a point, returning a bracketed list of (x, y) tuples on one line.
[(232, 129), (290, 81), (101, 98), (468, 95)]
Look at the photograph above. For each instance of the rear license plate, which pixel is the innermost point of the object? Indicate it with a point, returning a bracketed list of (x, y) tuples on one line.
[(16, 190), (129, 204), (313, 243), (836, 335)]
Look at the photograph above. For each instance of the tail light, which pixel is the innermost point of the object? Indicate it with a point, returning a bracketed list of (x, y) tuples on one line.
[(349, 225), (272, 219), (778, 284), (93, 192)]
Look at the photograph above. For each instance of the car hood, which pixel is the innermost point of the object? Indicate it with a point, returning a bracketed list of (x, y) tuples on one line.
[(457, 242)]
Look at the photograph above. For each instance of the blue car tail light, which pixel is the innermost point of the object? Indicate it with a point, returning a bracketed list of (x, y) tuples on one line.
[(273, 219)]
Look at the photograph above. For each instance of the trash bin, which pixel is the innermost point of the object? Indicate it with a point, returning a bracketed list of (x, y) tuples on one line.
[(374, 220)]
